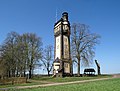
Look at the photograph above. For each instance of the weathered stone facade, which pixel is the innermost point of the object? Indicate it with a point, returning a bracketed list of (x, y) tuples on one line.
[(62, 46)]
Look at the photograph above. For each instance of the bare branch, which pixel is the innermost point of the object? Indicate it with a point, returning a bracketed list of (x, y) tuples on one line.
[(82, 44)]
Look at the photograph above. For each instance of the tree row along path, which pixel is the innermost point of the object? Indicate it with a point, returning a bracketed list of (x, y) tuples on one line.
[(62, 83)]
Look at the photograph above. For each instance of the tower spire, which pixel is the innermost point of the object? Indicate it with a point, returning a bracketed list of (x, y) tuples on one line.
[(56, 15)]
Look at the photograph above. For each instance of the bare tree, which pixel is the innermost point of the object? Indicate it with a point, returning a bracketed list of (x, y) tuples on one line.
[(21, 57), (47, 59), (3, 68), (82, 44), (8, 53), (11, 54), (33, 50), (20, 53)]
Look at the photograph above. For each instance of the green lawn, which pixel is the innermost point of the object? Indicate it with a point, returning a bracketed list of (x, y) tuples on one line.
[(105, 85)]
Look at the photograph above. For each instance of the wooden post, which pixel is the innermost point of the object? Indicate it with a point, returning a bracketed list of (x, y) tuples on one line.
[(98, 67)]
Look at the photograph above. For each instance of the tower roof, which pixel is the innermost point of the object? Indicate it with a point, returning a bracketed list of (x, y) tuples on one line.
[(64, 18), (65, 13)]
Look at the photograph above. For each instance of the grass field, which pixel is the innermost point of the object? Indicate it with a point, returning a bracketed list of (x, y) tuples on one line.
[(105, 85)]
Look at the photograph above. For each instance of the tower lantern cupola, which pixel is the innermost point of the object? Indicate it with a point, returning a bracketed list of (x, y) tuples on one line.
[(65, 16)]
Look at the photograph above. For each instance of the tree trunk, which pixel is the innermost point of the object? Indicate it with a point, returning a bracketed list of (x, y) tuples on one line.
[(78, 66), (30, 72), (13, 73), (9, 73), (17, 73), (48, 73), (21, 72), (24, 74)]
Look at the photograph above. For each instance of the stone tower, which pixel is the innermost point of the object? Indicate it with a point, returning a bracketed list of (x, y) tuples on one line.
[(62, 66)]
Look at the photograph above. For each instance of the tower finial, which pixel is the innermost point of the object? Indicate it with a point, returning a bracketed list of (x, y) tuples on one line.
[(56, 15)]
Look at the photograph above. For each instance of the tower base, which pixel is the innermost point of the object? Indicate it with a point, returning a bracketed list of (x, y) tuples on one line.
[(61, 68)]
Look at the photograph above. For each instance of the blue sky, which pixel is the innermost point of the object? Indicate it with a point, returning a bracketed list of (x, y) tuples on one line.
[(39, 16)]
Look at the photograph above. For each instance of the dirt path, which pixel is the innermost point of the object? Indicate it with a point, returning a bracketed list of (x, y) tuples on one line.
[(55, 84), (63, 83)]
